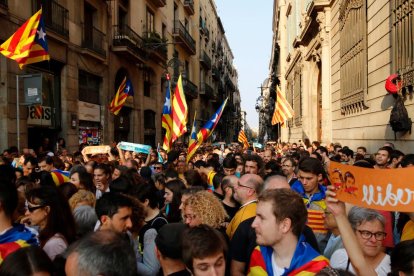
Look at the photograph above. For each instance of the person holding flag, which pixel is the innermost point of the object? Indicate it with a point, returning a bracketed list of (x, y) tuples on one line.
[(125, 90), (28, 44)]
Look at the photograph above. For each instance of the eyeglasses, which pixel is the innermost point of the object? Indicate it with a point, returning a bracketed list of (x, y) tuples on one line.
[(379, 236), (31, 209), (157, 168), (244, 186)]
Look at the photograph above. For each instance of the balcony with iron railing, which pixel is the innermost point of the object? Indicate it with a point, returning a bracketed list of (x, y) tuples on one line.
[(93, 39), (127, 42), (182, 35), (190, 89), (4, 3), (205, 60), (189, 6), (215, 73), (158, 3), (55, 16), (207, 91), (155, 46)]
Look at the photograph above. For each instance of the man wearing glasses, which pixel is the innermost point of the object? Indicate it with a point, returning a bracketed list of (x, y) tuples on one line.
[(158, 167), (245, 192)]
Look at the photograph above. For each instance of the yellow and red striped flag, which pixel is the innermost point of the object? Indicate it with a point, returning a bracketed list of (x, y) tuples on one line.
[(283, 110), (243, 139), (166, 120), (193, 144), (124, 91), (28, 44), (179, 112)]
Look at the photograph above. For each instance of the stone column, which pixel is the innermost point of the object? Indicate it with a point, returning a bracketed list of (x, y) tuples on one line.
[(324, 20)]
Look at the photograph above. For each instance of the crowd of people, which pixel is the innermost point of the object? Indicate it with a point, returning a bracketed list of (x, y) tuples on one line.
[(228, 211)]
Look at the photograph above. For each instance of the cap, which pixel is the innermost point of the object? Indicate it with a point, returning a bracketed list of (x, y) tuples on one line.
[(168, 240)]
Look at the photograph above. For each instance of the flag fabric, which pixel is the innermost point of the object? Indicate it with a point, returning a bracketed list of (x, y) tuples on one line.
[(28, 44), (209, 127), (166, 120), (243, 139), (193, 143), (124, 91), (179, 112), (283, 110), (305, 261)]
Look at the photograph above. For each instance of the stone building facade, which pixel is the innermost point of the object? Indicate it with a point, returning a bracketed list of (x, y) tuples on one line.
[(332, 57), (93, 45)]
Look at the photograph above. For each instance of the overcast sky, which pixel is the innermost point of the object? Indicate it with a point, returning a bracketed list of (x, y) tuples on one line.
[(248, 27)]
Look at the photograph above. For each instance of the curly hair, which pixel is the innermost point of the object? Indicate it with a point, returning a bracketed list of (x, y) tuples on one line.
[(208, 208), (82, 196)]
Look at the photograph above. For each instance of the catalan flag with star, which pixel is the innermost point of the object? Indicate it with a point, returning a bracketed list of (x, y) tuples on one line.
[(193, 143), (28, 44), (166, 120), (124, 91), (209, 127)]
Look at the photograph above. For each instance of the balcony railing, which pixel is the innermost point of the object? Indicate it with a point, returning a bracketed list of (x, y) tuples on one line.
[(205, 60), (93, 39), (189, 6), (3, 3), (207, 91), (215, 73), (182, 34), (154, 44), (190, 89), (126, 37), (54, 15), (158, 3)]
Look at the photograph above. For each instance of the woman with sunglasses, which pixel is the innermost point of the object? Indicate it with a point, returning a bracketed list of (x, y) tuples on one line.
[(50, 212)]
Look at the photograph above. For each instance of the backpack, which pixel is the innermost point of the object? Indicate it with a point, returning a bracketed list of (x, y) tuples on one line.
[(399, 120)]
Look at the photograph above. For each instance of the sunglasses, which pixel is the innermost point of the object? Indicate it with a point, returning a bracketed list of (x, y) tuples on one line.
[(31, 209), (157, 168)]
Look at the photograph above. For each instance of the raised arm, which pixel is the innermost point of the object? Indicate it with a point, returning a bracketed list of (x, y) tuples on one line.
[(349, 239)]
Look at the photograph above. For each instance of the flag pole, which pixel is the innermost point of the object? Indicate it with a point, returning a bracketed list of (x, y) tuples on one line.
[(18, 113)]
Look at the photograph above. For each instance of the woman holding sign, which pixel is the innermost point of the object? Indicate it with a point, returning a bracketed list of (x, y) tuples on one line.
[(362, 234)]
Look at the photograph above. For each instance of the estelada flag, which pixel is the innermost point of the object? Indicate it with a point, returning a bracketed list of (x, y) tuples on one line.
[(209, 127), (28, 44), (166, 120), (124, 91), (193, 143)]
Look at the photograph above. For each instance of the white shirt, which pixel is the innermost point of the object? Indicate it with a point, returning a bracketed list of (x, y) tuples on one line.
[(277, 271), (339, 260)]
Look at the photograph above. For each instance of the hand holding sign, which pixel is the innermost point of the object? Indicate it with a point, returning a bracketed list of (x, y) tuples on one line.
[(104, 149)]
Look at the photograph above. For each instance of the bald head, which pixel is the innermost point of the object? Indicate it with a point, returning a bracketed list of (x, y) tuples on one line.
[(229, 180), (252, 180), (267, 155), (276, 182)]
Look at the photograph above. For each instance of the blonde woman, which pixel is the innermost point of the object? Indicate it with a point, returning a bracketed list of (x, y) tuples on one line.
[(204, 208)]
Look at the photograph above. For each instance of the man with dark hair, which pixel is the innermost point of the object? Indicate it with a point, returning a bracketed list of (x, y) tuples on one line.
[(30, 164), (114, 212), (382, 158), (362, 150), (169, 249), (204, 251), (347, 156), (268, 155), (279, 223), (47, 164), (12, 236), (101, 253), (253, 164), (407, 161), (310, 174), (396, 157), (229, 165), (288, 169)]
